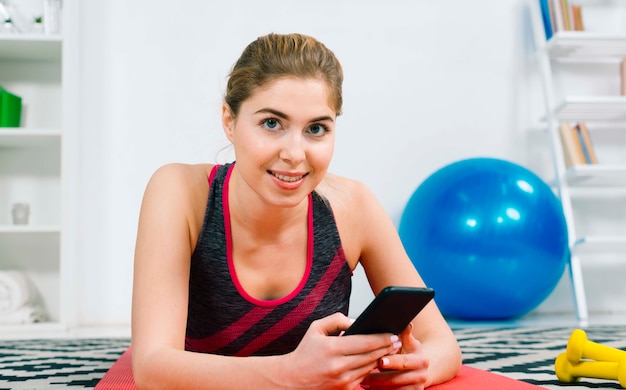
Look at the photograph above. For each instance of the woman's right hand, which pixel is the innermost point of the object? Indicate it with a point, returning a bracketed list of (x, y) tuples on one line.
[(324, 361)]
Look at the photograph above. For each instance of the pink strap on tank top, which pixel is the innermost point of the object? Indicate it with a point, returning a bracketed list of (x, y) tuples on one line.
[(213, 172)]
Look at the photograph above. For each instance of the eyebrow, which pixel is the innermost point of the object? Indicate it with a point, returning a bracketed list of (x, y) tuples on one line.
[(285, 116)]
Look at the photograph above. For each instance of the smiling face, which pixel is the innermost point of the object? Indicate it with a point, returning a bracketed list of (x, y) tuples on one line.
[(283, 137)]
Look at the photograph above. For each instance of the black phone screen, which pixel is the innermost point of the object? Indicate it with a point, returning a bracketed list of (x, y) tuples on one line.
[(392, 310)]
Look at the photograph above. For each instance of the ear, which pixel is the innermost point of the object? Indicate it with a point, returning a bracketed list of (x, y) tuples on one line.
[(228, 121)]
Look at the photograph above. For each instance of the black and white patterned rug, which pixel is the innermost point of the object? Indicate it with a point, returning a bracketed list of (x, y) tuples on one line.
[(57, 363), (528, 354), (525, 354)]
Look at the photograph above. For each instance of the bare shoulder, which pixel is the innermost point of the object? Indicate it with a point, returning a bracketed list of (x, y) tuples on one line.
[(176, 173), (346, 195), (182, 186), (179, 180), (358, 213)]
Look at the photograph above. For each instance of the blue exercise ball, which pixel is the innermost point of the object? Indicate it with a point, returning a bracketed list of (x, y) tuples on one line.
[(489, 236)]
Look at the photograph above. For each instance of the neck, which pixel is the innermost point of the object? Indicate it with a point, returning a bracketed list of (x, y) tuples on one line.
[(250, 212)]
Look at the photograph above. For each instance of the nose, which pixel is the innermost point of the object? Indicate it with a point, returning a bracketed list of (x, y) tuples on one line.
[(293, 147)]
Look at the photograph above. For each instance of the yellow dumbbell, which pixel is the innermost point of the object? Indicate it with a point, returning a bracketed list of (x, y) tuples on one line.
[(569, 372), (579, 347)]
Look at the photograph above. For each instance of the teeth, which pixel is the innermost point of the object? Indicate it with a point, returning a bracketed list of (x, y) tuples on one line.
[(287, 178)]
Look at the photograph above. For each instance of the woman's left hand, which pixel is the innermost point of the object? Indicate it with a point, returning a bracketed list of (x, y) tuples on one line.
[(406, 369)]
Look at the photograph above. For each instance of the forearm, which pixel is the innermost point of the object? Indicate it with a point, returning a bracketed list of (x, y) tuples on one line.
[(175, 369)]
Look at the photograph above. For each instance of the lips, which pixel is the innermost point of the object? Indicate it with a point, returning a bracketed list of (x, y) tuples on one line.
[(287, 178)]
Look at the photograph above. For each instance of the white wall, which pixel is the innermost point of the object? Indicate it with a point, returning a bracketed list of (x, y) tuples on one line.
[(427, 83)]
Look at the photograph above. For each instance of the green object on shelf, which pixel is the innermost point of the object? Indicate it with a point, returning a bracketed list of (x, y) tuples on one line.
[(10, 109)]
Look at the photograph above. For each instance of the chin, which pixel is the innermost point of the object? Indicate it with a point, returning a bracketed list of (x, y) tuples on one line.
[(288, 201)]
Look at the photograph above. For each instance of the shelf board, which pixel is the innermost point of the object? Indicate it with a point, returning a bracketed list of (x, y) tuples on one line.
[(597, 175), (30, 330), (584, 46), (31, 47), (600, 244), (30, 229), (590, 108), (25, 137)]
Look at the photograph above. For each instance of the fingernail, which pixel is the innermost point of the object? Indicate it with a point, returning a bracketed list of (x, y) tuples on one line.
[(397, 344), (394, 338), (384, 362)]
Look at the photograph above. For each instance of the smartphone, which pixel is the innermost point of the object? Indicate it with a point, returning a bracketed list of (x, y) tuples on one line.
[(392, 310)]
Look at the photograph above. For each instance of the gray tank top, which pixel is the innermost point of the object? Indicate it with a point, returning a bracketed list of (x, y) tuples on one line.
[(223, 319)]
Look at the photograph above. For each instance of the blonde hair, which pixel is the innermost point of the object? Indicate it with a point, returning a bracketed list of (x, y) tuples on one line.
[(274, 56)]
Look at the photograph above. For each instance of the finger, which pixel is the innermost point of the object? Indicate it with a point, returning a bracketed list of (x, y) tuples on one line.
[(409, 343), (403, 362), (359, 357), (384, 343), (331, 325), (356, 375), (395, 379)]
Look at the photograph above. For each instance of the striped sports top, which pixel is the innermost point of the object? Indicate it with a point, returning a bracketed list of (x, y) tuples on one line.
[(223, 319)]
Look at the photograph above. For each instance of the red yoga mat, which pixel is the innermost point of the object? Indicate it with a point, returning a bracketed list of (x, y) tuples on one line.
[(120, 377)]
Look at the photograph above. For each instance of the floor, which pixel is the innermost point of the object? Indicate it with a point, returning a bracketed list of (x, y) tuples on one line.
[(531, 320), (542, 320), (522, 349), (523, 353)]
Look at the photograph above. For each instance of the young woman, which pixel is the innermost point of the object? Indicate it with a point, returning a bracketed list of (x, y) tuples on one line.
[(243, 271)]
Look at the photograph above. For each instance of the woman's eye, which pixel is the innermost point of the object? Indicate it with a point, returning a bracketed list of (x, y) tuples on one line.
[(271, 123), (317, 129)]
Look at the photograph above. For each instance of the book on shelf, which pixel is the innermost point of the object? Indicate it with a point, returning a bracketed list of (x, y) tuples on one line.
[(587, 145), (572, 150), (565, 9), (577, 146), (557, 9), (560, 15), (577, 15), (546, 17)]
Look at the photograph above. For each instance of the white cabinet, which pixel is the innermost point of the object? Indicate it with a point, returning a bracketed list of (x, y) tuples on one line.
[(579, 73), (34, 163)]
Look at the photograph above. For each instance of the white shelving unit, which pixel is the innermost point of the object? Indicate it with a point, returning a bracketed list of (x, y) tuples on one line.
[(575, 46), (597, 176), (31, 47), (34, 168), (566, 50)]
